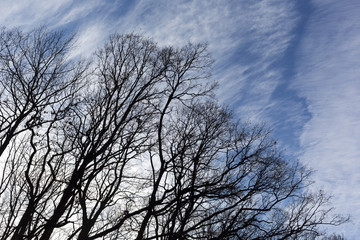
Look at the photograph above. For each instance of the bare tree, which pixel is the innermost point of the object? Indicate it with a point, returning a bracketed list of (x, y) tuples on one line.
[(334, 236), (38, 89), (134, 146)]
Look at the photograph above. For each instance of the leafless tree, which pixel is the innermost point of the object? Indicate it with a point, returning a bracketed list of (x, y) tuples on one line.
[(134, 146), (334, 236), (38, 88)]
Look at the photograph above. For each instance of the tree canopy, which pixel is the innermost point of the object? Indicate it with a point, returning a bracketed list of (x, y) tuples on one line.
[(132, 144)]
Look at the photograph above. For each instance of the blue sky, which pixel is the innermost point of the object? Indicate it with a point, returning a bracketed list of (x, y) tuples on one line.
[(292, 64)]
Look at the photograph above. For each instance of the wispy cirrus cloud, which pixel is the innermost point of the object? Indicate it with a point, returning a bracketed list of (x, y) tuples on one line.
[(328, 77), (29, 13), (245, 39), (53, 14)]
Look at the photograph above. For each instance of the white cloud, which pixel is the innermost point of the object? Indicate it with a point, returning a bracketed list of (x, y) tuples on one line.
[(88, 39), (245, 39), (329, 79), (91, 31), (236, 32), (77, 12), (30, 14)]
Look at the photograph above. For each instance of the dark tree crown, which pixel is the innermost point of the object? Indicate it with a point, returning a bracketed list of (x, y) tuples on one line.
[(132, 145)]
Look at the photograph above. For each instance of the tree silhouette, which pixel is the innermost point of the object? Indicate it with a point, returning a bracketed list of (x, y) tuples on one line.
[(132, 145), (334, 237)]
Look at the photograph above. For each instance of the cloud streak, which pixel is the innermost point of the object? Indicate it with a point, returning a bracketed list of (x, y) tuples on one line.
[(245, 39), (328, 77)]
